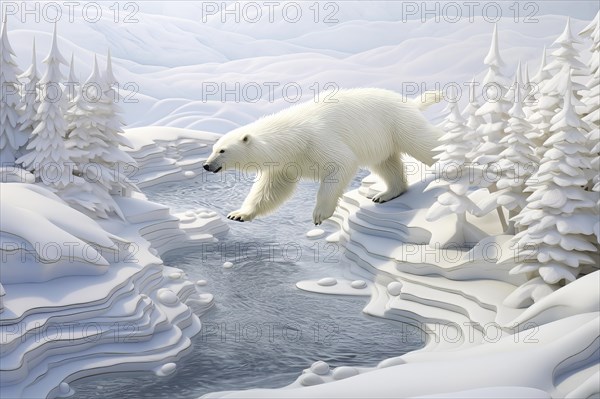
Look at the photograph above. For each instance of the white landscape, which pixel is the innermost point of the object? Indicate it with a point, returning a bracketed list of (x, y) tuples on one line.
[(490, 259)]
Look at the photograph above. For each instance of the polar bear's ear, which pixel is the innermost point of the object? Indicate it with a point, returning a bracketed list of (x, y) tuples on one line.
[(246, 138)]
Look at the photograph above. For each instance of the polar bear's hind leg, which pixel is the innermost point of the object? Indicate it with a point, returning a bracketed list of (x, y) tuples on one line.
[(392, 173)]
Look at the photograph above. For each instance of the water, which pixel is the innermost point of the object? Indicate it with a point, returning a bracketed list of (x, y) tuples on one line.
[(262, 331)]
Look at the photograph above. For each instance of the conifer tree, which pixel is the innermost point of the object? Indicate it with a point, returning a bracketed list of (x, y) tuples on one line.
[(558, 222), (30, 105), (48, 158), (517, 161), (12, 138)]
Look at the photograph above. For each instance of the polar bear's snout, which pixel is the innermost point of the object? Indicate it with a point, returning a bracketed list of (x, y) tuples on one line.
[(211, 168), (214, 163)]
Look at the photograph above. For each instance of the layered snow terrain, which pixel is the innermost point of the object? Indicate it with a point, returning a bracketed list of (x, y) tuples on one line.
[(108, 303), (84, 295)]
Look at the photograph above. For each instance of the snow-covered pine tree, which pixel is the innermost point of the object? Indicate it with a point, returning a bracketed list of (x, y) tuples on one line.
[(558, 221), (12, 138), (454, 145), (473, 120), (517, 161), (453, 178), (528, 91), (85, 141), (111, 126), (593, 139), (591, 110), (494, 109), (48, 158), (541, 108), (30, 105), (565, 57), (591, 94), (72, 81)]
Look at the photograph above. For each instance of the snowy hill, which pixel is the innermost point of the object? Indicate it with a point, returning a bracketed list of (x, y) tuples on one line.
[(173, 73)]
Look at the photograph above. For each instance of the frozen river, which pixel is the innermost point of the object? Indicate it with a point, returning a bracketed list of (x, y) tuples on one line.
[(262, 331)]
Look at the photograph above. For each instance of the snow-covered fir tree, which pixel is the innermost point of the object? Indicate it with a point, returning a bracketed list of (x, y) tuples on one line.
[(29, 109), (542, 108), (494, 112), (558, 222), (111, 126), (94, 138), (12, 138), (473, 121), (453, 177), (86, 143), (48, 158), (517, 161), (109, 76), (590, 97), (565, 53), (72, 81), (529, 91), (454, 145), (566, 61), (494, 108)]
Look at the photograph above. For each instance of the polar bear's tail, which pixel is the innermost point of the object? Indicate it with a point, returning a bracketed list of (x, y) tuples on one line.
[(428, 98), (422, 141)]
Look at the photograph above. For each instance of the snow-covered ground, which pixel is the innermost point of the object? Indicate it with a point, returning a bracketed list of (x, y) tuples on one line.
[(105, 279)]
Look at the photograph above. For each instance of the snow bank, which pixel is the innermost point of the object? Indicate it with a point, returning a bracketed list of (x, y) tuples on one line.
[(167, 154), (477, 346), (108, 304)]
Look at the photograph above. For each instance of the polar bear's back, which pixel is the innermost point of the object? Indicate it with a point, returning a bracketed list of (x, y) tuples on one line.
[(371, 124)]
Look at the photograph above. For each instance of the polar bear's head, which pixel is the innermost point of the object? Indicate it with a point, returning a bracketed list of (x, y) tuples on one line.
[(231, 151)]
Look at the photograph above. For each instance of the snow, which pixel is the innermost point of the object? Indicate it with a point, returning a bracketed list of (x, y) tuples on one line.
[(227, 265), (340, 373), (327, 281), (335, 286), (166, 369), (394, 288), (315, 233), (408, 265), (509, 349), (90, 275), (320, 368)]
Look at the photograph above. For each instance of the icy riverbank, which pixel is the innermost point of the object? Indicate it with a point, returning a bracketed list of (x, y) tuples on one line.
[(455, 298), (83, 296)]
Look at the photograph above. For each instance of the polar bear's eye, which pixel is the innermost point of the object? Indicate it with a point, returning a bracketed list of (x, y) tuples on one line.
[(222, 151)]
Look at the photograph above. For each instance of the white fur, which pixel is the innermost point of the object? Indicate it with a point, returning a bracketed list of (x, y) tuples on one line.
[(328, 142)]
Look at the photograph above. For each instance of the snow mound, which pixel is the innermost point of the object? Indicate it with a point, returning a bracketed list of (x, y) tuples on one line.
[(63, 243), (167, 154)]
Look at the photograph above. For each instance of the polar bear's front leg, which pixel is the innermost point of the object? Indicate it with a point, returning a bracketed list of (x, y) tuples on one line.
[(266, 195)]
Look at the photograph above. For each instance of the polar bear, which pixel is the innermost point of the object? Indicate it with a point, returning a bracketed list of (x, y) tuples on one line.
[(327, 141)]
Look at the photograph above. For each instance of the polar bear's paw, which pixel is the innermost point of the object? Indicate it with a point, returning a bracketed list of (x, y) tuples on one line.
[(320, 214), (385, 196), (240, 216)]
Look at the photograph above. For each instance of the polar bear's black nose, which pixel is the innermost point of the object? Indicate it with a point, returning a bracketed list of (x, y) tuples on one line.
[(206, 167)]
